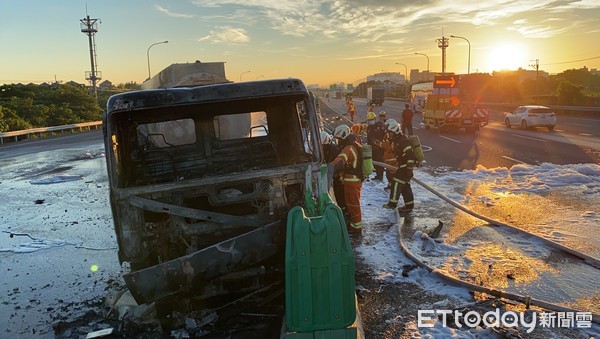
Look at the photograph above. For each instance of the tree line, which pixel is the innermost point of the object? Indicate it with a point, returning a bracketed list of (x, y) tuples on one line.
[(576, 87), (25, 106), (29, 106)]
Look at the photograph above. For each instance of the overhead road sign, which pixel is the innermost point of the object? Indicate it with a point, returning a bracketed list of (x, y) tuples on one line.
[(446, 81)]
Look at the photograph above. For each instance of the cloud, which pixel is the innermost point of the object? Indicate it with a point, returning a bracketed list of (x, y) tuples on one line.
[(173, 14), (580, 4), (382, 21), (226, 35), (537, 31)]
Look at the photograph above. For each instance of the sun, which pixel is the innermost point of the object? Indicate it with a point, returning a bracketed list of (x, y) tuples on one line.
[(506, 57)]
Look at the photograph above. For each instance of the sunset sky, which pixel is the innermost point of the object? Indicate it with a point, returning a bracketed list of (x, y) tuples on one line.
[(318, 41)]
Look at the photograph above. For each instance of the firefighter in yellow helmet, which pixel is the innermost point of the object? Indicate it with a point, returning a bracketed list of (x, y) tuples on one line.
[(347, 163), (371, 116)]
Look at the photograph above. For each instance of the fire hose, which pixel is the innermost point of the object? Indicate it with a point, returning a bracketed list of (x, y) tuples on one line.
[(592, 261)]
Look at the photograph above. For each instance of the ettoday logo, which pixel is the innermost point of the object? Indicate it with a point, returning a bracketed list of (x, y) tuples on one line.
[(472, 319)]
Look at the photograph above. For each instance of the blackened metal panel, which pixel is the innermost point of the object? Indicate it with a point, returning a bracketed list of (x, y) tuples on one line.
[(187, 273)]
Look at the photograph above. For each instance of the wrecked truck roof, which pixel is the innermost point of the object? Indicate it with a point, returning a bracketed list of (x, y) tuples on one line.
[(209, 93)]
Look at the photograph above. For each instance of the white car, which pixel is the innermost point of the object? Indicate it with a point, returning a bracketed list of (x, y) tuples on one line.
[(531, 116)]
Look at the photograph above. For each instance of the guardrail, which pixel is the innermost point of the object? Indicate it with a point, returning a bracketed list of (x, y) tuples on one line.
[(564, 109), (43, 130)]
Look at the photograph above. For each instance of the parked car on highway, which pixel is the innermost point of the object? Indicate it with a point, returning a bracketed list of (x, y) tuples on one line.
[(531, 116)]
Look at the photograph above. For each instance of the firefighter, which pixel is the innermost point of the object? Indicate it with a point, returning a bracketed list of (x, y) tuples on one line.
[(330, 152), (406, 162), (388, 154), (351, 109), (375, 135), (347, 163)]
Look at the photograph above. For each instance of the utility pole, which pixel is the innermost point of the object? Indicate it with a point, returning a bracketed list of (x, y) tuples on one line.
[(443, 44), (536, 66), (90, 27)]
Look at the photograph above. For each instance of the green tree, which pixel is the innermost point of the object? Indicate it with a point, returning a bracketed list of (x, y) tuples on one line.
[(10, 121), (62, 115), (569, 93), (26, 109), (129, 86)]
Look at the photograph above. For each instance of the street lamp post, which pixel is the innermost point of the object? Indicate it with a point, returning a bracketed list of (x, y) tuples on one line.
[(468, 42), (405, 79), (243, 74), (427, 63), (148, 54)]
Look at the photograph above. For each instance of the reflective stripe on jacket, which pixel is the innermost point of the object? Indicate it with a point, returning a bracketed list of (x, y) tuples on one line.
[(349, 157)]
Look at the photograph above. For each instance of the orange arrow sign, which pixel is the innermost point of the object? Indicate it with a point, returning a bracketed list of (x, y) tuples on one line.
[(450, 82)]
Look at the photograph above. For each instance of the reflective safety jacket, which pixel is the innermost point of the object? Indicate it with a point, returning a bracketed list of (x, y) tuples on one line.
[(375, 134), (348, 160), (388, 152), (351, 107), (403, 151)]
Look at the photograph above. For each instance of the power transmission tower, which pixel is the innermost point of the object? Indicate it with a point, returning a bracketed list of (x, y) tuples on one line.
[(443, 44), (90, 28)]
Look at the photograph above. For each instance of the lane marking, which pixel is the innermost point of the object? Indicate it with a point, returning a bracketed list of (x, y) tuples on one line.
[(513, 159), (569, 123), (460, 142), (585, 134), (524, 137)]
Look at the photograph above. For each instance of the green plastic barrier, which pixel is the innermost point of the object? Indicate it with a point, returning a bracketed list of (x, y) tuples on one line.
[(319, 271)]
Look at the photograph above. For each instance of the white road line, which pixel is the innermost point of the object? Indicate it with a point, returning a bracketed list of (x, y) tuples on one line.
[(569, 123), (512, 159), (460, 142), (524, 137), (585, 134)]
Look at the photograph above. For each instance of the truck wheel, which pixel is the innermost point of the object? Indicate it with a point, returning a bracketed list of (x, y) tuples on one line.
[(507, 123)]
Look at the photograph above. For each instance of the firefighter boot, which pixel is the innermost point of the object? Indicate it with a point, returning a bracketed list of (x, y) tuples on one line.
[(390, 205), (405, 209)]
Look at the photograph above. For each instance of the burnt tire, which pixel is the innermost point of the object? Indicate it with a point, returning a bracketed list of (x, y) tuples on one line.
[(550, 128), (507, 123)]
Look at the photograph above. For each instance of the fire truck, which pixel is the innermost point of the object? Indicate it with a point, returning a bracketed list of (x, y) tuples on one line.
[(444, 110)]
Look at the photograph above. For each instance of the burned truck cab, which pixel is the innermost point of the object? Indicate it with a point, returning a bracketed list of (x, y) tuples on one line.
[(202, 178)]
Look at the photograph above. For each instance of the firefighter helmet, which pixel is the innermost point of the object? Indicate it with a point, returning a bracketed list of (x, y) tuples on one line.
[(326, 138), (371, 116), (382, 113), (388, 122), (341, 132), (357, 129), (394, 127)]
